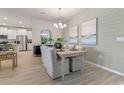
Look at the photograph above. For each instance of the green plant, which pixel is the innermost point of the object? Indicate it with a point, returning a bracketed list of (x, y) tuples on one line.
[(10, 46), (46, 40), (60, 40)]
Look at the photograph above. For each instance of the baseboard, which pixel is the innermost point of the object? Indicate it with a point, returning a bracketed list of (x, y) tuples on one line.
[(105, 68)]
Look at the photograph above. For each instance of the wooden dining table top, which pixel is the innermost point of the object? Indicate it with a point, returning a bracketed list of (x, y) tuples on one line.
[(5, 53), (70, 52)]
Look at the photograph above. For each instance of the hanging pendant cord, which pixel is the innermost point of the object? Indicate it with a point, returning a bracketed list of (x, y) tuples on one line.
[(60, 12)]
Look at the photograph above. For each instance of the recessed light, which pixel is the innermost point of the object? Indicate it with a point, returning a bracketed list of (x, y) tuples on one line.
[(22, 26), (20, 22), (5, 18), (4, 24)]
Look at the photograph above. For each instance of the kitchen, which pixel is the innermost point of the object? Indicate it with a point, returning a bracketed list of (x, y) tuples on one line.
[(19, 37)]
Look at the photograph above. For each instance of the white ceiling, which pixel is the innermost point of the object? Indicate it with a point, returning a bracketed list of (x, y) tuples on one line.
[(50, 14)]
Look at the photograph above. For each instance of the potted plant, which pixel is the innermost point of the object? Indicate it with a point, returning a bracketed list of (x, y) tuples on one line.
[(10, 47), (60, 40)]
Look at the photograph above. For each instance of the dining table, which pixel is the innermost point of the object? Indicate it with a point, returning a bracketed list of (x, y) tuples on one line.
[(65, 53)]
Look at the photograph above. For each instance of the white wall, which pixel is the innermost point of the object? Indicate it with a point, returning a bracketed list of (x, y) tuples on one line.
[(108, 52), (38, 26)]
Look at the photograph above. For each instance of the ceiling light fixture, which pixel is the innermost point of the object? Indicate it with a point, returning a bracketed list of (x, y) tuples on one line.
[(20, 22), (59, 24), (5, 18), (4, 24), (22, 26)]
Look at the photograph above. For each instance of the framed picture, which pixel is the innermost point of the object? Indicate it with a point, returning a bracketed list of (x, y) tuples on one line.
[(89, 32), (73, 35)]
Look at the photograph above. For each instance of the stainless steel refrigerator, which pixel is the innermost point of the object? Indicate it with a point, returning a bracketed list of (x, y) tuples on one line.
[(22, 42)]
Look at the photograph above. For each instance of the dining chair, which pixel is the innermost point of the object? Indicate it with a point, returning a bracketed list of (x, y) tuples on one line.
[(52, 63), (76, 62)]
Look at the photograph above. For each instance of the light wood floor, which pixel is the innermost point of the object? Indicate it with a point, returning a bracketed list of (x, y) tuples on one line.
[(30, 71)]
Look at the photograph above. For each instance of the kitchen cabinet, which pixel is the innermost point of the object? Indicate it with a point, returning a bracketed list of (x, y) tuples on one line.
[(11, 34), (29, 46), (3, 31), (22, 32), (29, 34), (29, 40)]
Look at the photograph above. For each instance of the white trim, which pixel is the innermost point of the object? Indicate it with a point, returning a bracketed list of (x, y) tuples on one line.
[(105, 68)]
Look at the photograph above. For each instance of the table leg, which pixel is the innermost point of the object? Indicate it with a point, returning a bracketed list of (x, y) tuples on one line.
[(63, 60), (13, 63), (82, 64), (16, 60)]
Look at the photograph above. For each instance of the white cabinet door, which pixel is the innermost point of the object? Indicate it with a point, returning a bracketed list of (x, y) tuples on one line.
[(3, 31), (29, 34), (11, 34), (21, 32)]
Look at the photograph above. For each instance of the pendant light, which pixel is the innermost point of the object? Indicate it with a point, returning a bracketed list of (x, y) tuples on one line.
[(59, 24)]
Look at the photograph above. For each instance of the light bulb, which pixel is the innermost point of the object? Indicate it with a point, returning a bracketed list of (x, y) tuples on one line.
[(55, 25), (64, 25), (60, 24), (42, 34)]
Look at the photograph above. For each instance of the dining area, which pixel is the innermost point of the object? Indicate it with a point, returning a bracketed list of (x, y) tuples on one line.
[(59, 62)]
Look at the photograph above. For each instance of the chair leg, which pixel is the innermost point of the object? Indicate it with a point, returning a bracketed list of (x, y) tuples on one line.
[(70, 65), (16, 60)]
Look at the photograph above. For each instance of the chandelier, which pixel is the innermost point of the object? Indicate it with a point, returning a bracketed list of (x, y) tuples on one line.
[(59, 24)]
